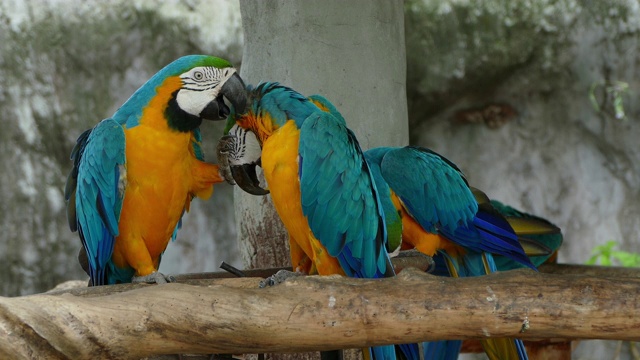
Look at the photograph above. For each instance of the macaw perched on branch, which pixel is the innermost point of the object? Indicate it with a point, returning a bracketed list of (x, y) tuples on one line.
[(428, 198), (135, 173), (319, 181)]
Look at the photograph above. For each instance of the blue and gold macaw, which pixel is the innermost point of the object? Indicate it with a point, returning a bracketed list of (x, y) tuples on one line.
[(135, 173), (429, 199), (319, 181)]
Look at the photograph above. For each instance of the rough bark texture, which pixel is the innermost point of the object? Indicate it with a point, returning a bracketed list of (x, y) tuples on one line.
[(324, 313)]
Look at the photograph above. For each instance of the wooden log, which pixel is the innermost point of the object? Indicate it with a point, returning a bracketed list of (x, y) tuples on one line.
[(316, 313)]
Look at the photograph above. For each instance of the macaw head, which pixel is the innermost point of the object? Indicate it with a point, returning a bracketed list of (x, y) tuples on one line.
[(271, 105), (241, 151), (188, 90)]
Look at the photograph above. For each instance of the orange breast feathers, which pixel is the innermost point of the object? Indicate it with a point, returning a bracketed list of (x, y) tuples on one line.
[(280, 165), (162, 176), (262, 125)]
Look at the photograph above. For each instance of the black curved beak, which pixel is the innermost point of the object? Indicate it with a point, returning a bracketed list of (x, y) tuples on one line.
[(246, 178), (235, 91)]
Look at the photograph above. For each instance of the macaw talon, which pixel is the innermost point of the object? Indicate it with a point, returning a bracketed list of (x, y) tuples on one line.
[(432, 266), (278, 278), (410, 253), (155, 277), (223, 149), (235, 92), (247, 179), (423, 259)]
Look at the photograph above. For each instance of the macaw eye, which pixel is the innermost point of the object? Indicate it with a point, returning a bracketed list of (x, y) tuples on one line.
[(198, 75)]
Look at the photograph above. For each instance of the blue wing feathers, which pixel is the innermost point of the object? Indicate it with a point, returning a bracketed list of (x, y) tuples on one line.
[(333, 172), (501, 239), (105, 209), (433, 192), (98, 198), (438, 197)]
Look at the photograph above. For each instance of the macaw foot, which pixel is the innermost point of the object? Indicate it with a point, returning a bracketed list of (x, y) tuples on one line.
[(417, 259), (153, 278), (278, 278), (409, 253), (226, 145)]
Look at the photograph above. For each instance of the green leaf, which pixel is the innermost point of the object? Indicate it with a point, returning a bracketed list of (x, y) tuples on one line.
[(606, 255)]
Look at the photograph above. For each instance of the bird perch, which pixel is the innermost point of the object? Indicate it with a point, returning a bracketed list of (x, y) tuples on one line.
[(315, 313)]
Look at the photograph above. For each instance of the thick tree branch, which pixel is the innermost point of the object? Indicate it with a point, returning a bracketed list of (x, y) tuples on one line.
[(317, 313)]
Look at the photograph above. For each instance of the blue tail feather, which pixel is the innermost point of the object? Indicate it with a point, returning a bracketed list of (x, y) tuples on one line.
[(442, 350), (384, 352), (501, 240), (410, 351)]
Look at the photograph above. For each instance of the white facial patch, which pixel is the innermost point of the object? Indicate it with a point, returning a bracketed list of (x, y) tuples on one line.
[(200, 86), (246, 148)]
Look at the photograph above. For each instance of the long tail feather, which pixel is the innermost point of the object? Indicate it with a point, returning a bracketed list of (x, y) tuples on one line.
[(473, 264), (442, 350)]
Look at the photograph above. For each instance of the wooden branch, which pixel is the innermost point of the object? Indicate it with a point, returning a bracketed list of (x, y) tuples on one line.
[(399, 263), (316, 313), (408, 259)]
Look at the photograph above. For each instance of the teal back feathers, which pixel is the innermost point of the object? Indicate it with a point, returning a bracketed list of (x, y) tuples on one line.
[(327, 106), (281, 103)]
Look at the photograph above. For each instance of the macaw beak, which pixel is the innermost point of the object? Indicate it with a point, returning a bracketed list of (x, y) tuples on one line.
[(246, 178), (235, 92)]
